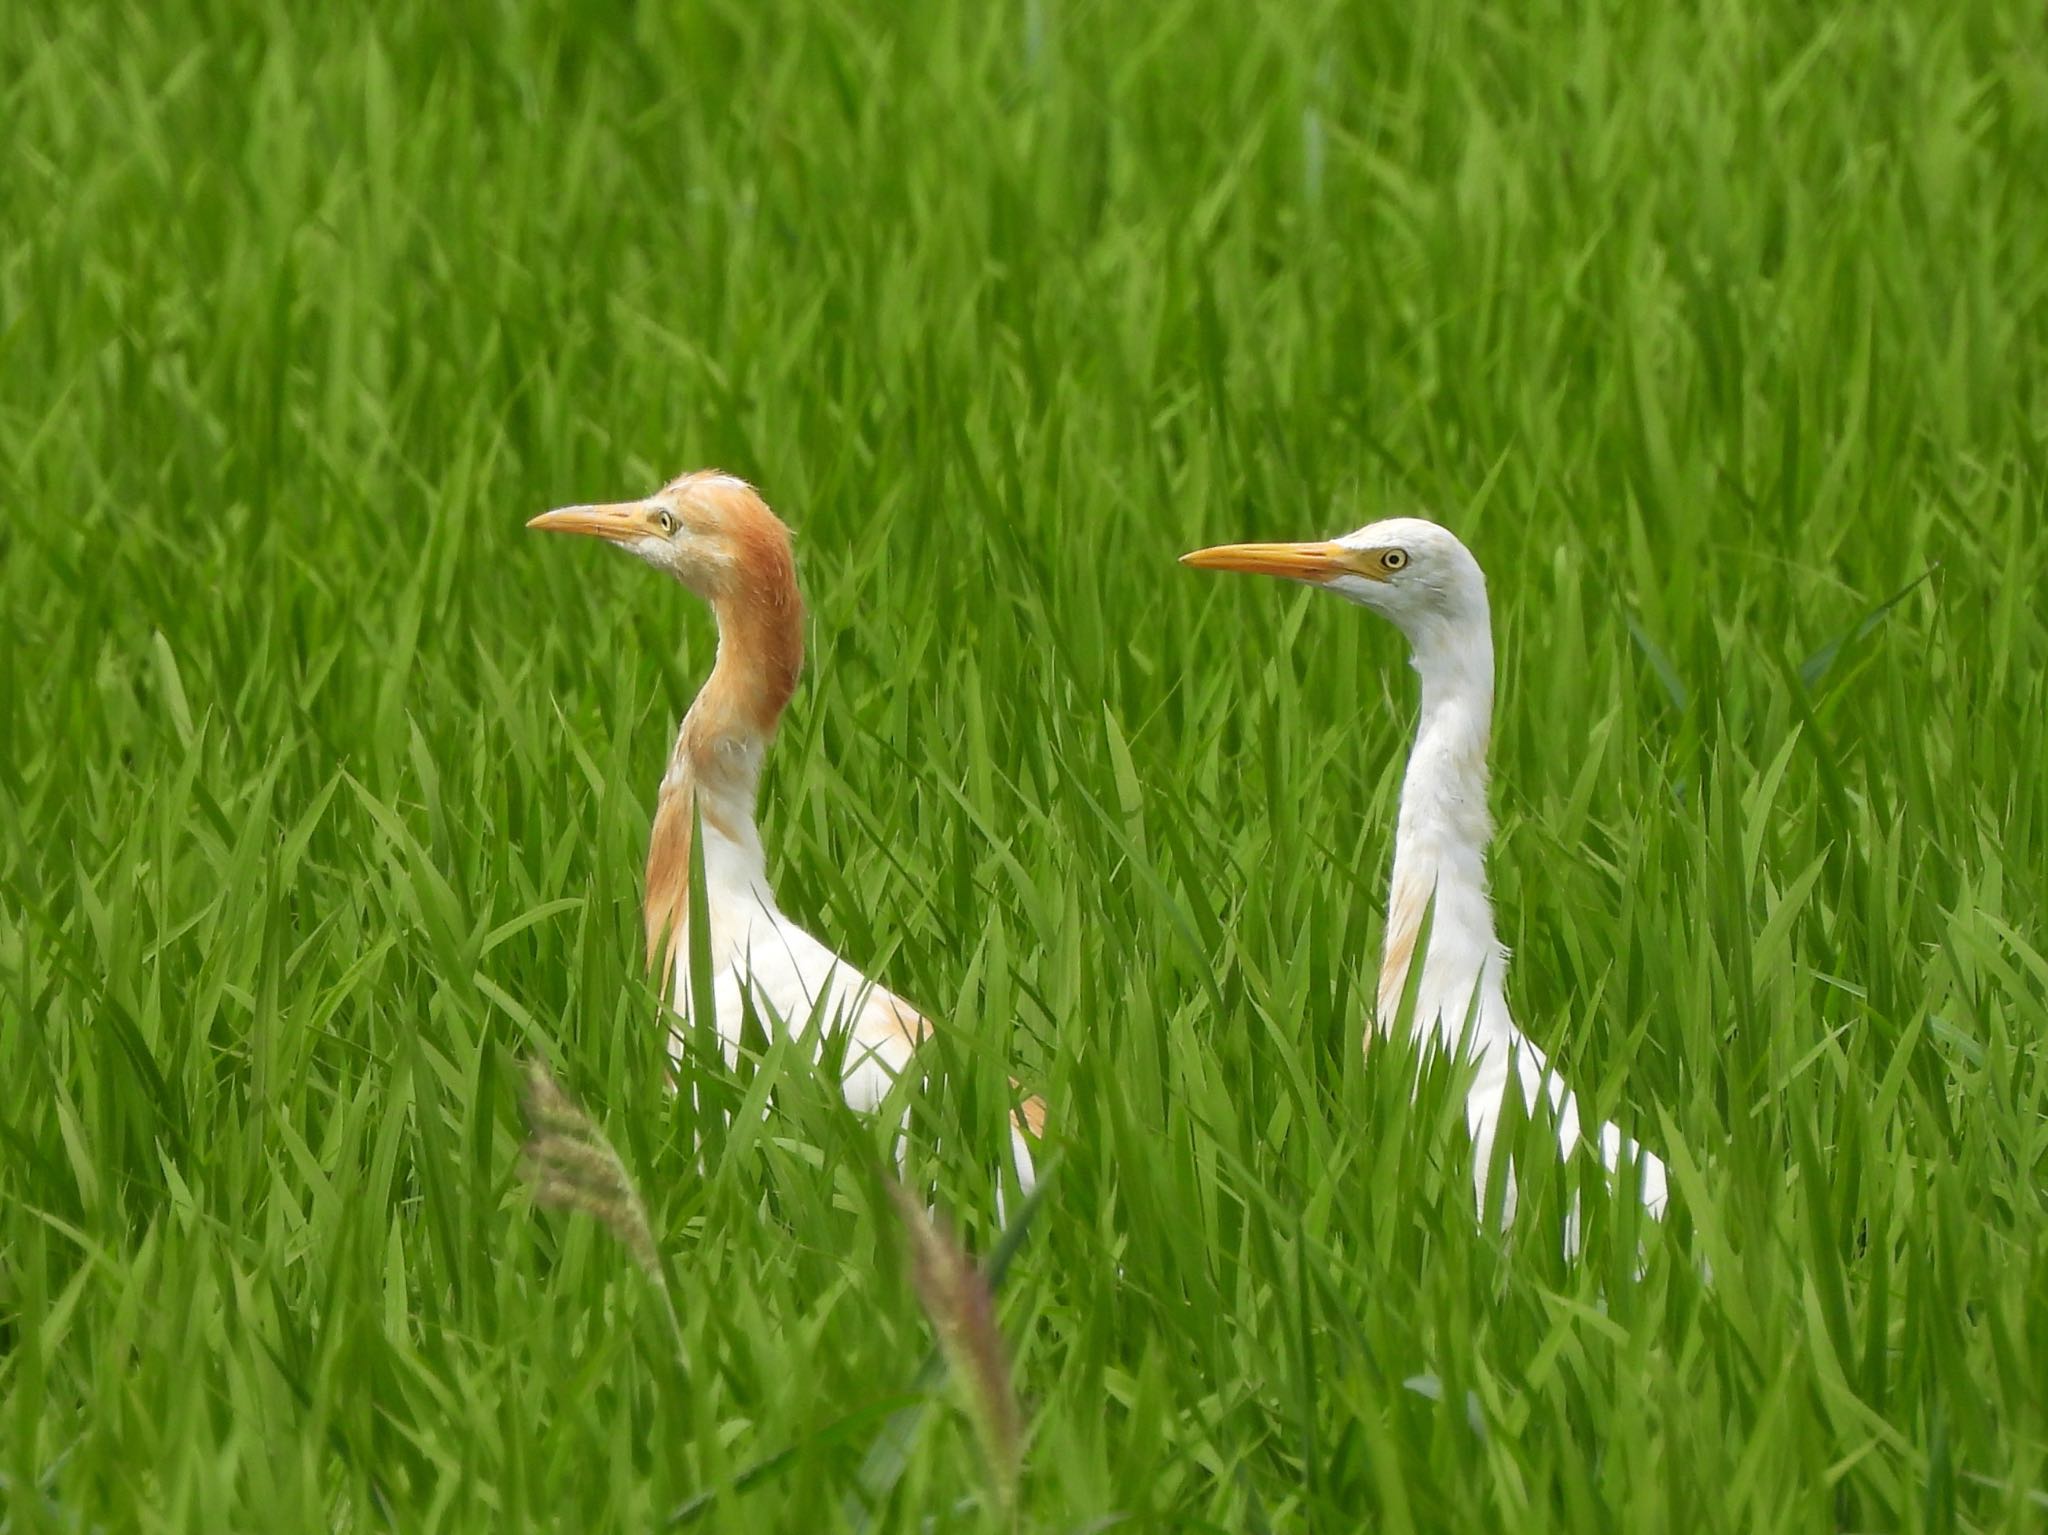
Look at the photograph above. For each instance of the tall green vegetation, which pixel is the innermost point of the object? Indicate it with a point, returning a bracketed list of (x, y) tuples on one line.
[(324, 787)]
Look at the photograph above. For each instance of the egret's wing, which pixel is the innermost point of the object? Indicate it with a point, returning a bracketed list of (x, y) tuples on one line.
[(790, 976), (1500, 1048)]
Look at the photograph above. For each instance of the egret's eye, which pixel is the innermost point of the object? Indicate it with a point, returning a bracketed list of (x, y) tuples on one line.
[(667, 520), (1393, 559)]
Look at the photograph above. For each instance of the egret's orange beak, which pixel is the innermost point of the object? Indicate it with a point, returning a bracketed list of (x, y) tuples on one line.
[(617, 523), (1292, 562)]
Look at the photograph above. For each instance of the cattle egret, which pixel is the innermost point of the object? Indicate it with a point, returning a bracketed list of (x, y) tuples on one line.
[(716, 536), (1421, 578)]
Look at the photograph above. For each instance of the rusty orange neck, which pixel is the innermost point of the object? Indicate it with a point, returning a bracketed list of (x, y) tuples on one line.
[(715, 769)]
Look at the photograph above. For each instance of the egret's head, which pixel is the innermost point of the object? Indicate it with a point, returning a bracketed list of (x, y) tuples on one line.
[(709, 530), (1408, 569)]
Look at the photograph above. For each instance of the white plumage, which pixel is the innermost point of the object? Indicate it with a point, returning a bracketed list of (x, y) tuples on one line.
[(1421, 578)]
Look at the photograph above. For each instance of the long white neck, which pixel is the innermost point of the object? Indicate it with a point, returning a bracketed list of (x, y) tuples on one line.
[(1444, 827)]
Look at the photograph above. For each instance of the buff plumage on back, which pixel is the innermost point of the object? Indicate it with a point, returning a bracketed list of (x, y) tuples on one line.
[(668, 877), (1404, 928)]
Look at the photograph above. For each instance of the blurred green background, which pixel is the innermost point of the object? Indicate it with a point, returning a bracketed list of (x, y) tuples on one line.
[(1712, 328)]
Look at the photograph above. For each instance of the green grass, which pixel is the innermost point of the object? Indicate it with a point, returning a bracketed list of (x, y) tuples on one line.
[(325, 786)]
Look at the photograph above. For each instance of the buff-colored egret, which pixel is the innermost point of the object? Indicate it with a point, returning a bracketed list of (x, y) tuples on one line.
[(715, 535), (1421, 578)]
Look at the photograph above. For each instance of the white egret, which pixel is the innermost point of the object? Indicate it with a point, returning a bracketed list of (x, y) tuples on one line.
[(1421, 578), (715, 535)]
